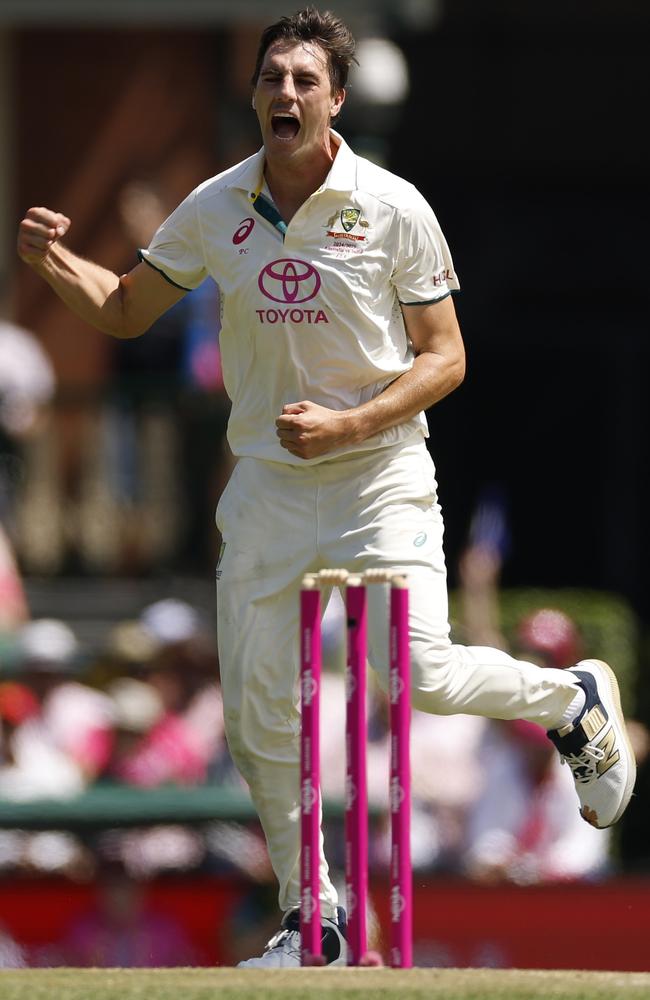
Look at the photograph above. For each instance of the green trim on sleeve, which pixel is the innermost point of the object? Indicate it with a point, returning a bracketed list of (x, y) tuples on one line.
[(143, 260), (429, 302)]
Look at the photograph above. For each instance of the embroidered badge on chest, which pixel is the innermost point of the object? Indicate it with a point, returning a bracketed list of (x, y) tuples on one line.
[(349, 219)]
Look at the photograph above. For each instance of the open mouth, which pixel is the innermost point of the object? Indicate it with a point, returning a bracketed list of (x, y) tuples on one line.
[(285, 126)]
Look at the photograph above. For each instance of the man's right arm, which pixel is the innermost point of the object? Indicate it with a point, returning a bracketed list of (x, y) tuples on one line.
[(123, 306)]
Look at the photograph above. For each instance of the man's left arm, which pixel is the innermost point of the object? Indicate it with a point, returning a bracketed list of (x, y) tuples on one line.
[(308, 430)]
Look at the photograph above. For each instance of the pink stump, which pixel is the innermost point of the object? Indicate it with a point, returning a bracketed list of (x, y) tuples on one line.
[(401, 892), (356, 785), (310, 675)]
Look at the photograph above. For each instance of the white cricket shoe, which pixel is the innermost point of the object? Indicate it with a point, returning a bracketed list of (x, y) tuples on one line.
[(596, 747), (283, 950)]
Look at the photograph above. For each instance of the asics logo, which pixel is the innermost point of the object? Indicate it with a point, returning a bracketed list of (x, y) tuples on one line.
[(243, 232)]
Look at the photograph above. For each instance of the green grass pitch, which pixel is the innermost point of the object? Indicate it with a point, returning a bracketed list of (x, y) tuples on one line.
[(334, 984)]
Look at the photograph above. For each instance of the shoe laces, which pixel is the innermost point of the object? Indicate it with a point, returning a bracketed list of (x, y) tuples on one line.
[(286, 940), (584, 764)]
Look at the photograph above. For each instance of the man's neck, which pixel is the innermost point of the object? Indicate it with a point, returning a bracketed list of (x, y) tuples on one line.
[(291, 185)]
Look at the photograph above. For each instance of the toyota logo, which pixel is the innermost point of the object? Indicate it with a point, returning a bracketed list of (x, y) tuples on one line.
[(288, 280)]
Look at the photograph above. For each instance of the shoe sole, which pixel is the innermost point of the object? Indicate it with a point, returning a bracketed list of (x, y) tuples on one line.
[(605, 672)]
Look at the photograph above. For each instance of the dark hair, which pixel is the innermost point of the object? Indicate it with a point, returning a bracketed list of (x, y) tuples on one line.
[(311, 25)]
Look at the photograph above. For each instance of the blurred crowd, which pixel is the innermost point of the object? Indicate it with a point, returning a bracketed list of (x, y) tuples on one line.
[(143, 711), (492, 802)]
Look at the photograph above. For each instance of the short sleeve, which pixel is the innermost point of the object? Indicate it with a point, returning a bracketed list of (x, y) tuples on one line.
[(424, 270), (176, 249)]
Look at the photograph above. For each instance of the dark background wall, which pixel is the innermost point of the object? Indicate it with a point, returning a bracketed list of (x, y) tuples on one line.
[(526, 132)]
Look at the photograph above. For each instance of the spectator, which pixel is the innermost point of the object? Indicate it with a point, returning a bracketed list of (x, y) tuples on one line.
[(184, 669), (522, 827), (152, 745), (445, 780), (27, 388), (32, 765), (159, 512), (17, 705), (161, 672), (27, 385), (75, 716), (549, 637), (136, 710)]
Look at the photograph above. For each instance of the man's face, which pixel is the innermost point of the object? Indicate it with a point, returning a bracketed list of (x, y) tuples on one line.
[(293, 99)]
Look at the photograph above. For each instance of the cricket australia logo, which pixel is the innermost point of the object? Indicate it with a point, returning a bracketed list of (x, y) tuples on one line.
[(349, 218)]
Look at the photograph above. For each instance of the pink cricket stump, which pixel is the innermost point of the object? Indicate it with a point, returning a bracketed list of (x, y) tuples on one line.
[(310, 675), (401, 891), (356, 784)]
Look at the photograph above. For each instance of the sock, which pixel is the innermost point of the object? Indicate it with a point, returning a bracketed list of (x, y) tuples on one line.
[(574, 708)]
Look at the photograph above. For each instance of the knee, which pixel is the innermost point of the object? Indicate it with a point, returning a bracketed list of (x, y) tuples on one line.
[(257, 735), (241, 756)]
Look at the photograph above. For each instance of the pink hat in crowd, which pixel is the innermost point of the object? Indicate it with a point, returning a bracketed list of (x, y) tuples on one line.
[(552, 634)]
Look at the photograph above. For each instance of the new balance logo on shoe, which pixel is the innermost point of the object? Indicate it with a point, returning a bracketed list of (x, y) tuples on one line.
[(611, 755), (597, 749)]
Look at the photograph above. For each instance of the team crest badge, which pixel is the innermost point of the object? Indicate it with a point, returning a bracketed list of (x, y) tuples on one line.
[(349, 218), (345, 240)]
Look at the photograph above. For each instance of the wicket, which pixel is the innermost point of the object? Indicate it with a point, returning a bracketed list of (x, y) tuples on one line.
[(356, 796)]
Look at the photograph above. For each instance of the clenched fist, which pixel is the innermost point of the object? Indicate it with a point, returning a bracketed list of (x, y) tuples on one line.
[(38, 232), (308, 430)]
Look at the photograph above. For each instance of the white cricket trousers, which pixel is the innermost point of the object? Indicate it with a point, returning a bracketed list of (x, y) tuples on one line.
[(374, 509)]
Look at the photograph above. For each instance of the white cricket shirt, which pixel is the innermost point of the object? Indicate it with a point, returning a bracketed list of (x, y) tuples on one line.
[(310, 310)]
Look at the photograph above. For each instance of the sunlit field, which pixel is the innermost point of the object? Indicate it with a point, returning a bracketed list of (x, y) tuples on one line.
[(223, 984)]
